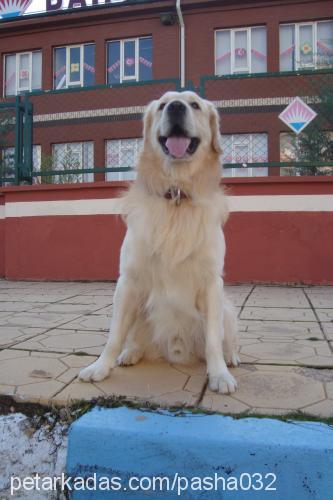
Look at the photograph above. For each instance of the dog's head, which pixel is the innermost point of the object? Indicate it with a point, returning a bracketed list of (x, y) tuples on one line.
[(181, 127)]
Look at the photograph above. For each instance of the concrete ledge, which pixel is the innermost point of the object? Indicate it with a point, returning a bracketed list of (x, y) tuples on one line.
[(123, 443)]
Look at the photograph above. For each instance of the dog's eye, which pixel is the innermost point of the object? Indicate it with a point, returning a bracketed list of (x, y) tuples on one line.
[(195, 105), (162, 106)]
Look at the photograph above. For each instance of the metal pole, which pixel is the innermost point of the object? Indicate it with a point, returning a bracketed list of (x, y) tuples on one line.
[(18, 140), (27, 141), (182, 43)]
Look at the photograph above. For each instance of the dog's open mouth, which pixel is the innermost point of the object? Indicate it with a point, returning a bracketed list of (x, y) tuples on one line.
[(179, 146)]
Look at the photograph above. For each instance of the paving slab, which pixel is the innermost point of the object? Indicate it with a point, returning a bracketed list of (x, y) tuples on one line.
[(11, 335), (154, 382), (321, 297), (37, 319), (91, 322), (325, 315), (49, 331), (238, 294), (328, 330), (263, 296), (61, 307), (282, 351), (61, 340), (278, 313), (282, 329), (100, 300), (32, 297), (270, 389), (38, 376)]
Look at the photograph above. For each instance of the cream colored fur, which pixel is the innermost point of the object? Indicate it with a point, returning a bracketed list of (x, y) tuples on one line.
[(169, 299)]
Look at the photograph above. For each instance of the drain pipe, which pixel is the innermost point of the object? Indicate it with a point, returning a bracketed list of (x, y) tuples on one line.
[(182, 44)]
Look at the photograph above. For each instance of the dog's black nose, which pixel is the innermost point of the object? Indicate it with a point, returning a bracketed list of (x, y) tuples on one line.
[(176, 108)]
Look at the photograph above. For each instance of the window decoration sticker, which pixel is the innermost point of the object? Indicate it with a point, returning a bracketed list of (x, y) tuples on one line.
[(324, 47), (24, 73), (75, 67), (89, 68), (113, 67), (306, 48), (240, 52), (297, 115), (145, 62)]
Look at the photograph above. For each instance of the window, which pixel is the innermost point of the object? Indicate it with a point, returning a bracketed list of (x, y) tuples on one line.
[(244, 149), (288, 147), (8, 161), (73, 156), (316, 146), (8, 165), (74, 66), (241, 50), (129, 60), (122, 153), (306, 45), (23, 72)]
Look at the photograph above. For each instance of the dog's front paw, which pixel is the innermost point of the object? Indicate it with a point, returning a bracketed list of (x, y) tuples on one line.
[(232, 359), (224, 382), (95, 372), (129, 357)]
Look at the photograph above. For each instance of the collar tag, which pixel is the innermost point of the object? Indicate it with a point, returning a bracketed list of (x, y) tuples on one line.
[(176, 195)]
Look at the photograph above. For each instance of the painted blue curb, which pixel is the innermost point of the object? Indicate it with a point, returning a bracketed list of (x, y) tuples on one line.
[(113, 446)]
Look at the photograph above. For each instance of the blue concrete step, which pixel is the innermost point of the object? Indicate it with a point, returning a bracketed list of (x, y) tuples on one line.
[(246, 459)]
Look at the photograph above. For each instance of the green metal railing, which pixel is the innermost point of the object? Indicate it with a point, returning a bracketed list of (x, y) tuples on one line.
[(202, 89), (221, 89), (147, 83), (16, 126)]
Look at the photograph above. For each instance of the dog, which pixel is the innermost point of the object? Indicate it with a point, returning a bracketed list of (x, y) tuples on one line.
[(169, 300)]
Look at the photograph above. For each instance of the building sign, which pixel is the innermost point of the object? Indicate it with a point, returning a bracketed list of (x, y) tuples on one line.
[(16, 8), (297, 115)]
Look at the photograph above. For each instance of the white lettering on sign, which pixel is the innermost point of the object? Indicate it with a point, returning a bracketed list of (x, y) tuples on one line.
[(10, 9)]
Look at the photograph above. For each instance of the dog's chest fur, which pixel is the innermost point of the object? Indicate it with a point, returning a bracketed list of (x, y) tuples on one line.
[(173, 243)]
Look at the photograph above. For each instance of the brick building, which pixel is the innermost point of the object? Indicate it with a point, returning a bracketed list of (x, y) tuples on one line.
[(90, 69)]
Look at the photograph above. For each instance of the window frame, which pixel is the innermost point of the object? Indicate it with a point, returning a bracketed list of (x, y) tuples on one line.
[(298, 45), (249, 144), (18, 90), (36, 160), (78, 83), (137, 149), (297, 60), (68, 84), (232, 49), (124, 79), (233, 69), (86, 177)]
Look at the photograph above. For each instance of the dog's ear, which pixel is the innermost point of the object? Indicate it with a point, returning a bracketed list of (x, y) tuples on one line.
[(147, 119), (215, 129)]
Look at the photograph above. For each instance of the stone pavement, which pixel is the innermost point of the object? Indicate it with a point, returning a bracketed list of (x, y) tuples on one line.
[(48, 331)]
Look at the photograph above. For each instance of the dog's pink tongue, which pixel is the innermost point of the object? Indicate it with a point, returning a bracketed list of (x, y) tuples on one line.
[(177, 146)]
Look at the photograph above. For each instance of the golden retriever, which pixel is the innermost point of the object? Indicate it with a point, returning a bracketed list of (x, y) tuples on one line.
[(169, 299)]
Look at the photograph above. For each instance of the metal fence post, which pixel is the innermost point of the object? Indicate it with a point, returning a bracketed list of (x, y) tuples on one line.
[(202, 89), (27, 165), (18, 140)]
